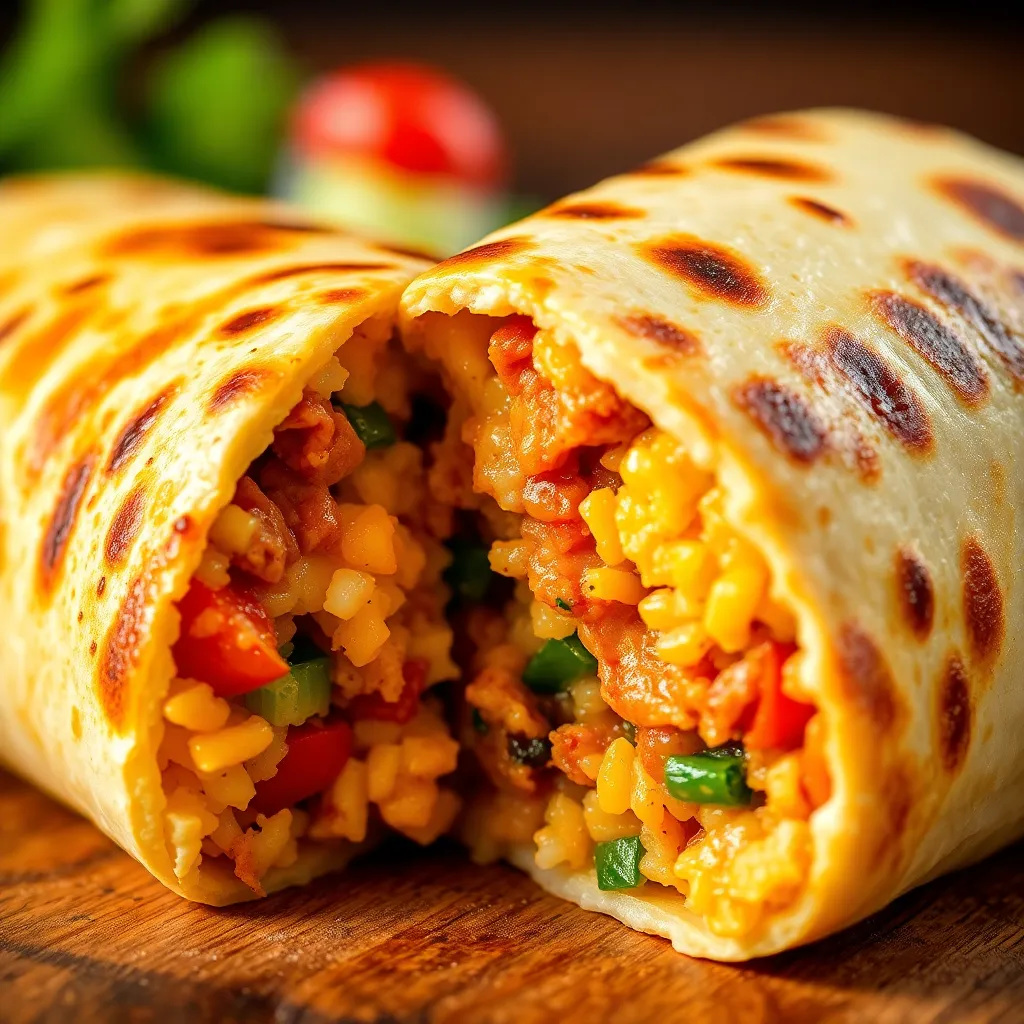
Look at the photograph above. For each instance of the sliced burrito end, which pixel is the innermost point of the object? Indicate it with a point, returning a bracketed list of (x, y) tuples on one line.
[(212, 496), (728, 416)]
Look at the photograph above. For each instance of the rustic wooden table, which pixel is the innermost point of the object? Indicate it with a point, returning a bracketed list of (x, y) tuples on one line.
[(87, 935)]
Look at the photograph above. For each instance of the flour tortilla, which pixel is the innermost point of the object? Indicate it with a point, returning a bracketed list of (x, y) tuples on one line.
[(151, 337), (829, 306)]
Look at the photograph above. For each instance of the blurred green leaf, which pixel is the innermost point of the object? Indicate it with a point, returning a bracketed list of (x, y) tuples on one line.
[(218, 104), (82, 132), (54, 49), (129, 22)]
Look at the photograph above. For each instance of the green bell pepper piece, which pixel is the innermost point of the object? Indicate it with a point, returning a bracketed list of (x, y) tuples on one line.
[(618, 863), (558, 664)]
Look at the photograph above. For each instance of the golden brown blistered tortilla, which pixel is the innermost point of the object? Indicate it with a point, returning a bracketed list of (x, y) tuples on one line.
[(830, 306), (151, 337)]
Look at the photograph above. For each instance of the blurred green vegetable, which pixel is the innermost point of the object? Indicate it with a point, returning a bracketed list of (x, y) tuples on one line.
[(214, 108), (218, 104)]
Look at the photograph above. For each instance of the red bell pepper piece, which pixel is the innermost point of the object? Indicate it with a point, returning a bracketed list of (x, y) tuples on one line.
[(779, 721), (317, 751), (227, 640), (373, 705)]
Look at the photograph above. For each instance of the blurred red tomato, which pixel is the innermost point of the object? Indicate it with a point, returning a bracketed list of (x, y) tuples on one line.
[(412, 117)]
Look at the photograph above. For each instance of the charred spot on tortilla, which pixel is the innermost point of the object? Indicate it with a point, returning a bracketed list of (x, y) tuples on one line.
[(121, 649), (247, 321), (283, 273), (927, 335), (339, 296), (239, 383), (62, 519), (489, 252), (124, 527), (916, 593), (866, 676), (660, 169), (222, 238), (101, 586), (880, 391), (86, 284), (593, 211), (133, 433), (949, 290), (785, 126), (954, 715), (664, 332), (821, 210), (12, 323), (711, 270), (983, 601), (773, 167), (784, 416), (987, 203)]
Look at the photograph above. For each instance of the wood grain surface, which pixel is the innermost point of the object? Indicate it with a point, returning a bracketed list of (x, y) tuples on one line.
[(411, 935)]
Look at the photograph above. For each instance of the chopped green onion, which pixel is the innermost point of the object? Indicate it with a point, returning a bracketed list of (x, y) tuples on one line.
[(618, 863), (371, 423), (558, 664), (629, 731), (292, 699), (563, 604), (479, 725), (534, 753), (470, 574), (707, 778)]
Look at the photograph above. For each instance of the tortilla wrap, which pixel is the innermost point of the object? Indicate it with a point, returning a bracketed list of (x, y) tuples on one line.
[(827, 308), (152, 335)]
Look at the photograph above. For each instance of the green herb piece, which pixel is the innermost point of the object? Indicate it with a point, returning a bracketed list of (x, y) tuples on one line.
[(618, 863), (292, 699), (707, 778), (563, 604), (371, 423), (558, 664)]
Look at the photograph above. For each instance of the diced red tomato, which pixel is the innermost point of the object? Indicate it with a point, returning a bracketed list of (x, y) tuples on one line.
[(317, 751), (373, 705), (779, 721), (227, 640), (412, 117)]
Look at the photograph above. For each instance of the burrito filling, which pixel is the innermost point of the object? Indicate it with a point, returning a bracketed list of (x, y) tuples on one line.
[(311, 635), (636, 707)]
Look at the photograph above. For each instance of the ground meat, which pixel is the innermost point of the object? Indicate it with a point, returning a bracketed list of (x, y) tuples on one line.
[(308, 508), (571, 743), (730, 696), (548, 423), (274, 547), (557, 555), (636, 683), (317, 442), (504, 702)]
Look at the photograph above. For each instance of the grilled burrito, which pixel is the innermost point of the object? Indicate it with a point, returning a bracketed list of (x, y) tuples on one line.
[(745, 428), (220, 568)]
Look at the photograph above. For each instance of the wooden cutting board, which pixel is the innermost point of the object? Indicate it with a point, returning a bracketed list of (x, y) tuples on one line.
[(414, 936)]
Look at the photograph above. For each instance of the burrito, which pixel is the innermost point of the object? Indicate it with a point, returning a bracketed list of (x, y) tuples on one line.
[(745, 428), (219, 563)]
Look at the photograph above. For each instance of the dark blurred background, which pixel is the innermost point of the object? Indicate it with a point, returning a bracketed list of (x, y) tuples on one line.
[(584, 91)]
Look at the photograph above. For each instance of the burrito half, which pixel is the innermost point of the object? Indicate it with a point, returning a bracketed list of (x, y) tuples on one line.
[(746, 430), (220, 567)]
